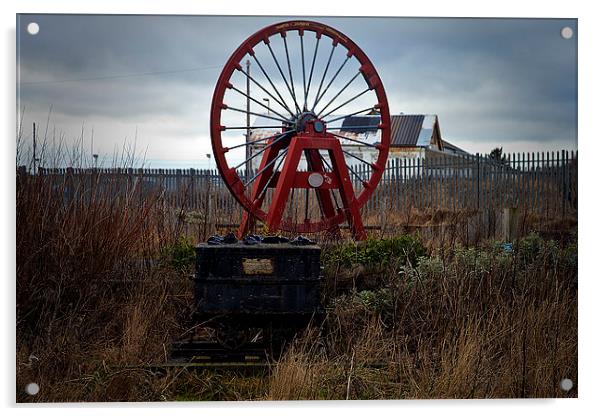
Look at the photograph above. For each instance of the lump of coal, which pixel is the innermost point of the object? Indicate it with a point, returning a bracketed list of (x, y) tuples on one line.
[(230, 238), (302, 241), (215, 240), (252, 239), (274, 239), (218, 240)]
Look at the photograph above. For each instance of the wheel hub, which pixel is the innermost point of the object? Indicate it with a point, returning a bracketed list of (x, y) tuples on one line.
[(309, 118)]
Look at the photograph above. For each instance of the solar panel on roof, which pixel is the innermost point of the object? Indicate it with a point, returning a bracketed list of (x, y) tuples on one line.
[(366, 123)]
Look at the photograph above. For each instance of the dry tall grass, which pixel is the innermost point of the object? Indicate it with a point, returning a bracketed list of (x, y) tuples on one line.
[(89, 298), (95, 307), (467, 323)]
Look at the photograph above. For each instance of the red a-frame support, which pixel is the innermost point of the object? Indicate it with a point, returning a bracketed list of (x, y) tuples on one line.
[(308, 143)]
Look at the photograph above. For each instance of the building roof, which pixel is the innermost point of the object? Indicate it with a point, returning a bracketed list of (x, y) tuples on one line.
[(452, 148), (415, 130), (407, 130), (367, 132), (360, 124)]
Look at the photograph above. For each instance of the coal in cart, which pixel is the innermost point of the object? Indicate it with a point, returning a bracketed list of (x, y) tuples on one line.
[(271, 286)]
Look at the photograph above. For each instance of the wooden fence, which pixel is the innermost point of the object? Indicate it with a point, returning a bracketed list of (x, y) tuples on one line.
[(542, 184)]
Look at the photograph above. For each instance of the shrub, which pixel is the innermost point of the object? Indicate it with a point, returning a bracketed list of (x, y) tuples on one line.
[(180, 255), (376, 301), (427, 268), (375, 252)]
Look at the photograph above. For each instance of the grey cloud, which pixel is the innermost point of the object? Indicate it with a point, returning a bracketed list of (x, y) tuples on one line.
[(490, 80)]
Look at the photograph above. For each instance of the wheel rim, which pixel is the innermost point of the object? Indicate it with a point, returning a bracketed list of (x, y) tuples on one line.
[(316, 88)]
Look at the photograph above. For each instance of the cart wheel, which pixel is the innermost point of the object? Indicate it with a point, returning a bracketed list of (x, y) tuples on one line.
[(231, 336)]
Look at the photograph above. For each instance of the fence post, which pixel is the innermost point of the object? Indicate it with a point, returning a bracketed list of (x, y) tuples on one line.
[(478, 183), (558, 185), (190, 196), (510, 224), (564, 177), (514, 180), (548, 179), (140, 182), (523, 183), (69, 184), (419, 179)]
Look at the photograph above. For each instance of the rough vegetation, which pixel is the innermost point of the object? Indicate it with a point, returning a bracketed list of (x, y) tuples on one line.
[(102, 289), (465, 322)]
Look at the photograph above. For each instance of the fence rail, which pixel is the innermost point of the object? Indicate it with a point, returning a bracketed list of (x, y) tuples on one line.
[(544, 184)]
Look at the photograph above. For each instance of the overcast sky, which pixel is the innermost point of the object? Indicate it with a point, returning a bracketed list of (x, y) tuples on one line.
[(492, 82)]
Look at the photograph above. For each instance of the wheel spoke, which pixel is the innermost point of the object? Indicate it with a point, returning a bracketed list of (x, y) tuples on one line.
[(331, 190), (355, 173), (246, 127), (283, 102), (282, 74), (283, 105), (334, 197), (339, 93), (266, 147), (325, 162), (290, 72), (349, 115), (336, 202), (355, 141), (250, 181), (292, 203), (311, 72), (311, 168), (348, 167), (306, 204), (324, 76), (258, 115), (266, 186), (354, 128), (357, 158), (257, 102), (347, 102), (332, 80), (258, 140), (303, 68)]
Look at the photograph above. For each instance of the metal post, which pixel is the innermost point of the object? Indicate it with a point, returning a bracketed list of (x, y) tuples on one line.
[(478, 182), (34, 148), (248, 135), (564, 187)]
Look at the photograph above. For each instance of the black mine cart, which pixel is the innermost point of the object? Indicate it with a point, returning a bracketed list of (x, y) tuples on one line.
[(240, 288)]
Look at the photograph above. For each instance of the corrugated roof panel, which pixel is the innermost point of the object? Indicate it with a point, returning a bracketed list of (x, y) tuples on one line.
[(405, 129)]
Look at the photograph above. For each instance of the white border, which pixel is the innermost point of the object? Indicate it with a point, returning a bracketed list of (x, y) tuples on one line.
[(589, 146)]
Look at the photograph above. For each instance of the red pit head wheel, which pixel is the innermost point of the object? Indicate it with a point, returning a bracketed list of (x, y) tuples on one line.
[(302, 79)]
